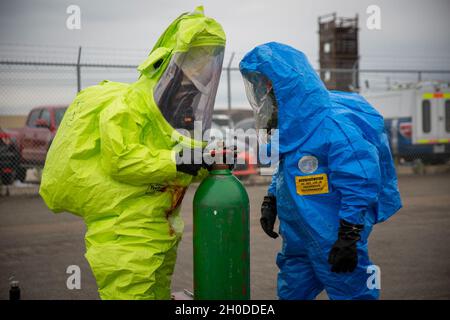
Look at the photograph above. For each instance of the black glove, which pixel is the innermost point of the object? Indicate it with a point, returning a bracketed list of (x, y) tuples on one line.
[(191, 169), (269, 215), (192, 164), (343, 255)]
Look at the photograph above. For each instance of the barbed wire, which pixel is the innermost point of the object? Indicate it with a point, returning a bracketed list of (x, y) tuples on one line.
[(110, 55)]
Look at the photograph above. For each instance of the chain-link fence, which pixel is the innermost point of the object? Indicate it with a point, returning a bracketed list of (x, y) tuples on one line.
[(37, 84)]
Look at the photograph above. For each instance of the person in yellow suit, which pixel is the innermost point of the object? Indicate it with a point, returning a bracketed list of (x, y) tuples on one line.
[(115, 159)]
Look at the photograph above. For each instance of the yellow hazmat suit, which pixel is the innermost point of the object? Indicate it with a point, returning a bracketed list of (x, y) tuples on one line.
[(112, 162)]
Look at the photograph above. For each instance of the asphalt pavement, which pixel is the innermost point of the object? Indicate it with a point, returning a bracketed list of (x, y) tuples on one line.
[(412, 248)]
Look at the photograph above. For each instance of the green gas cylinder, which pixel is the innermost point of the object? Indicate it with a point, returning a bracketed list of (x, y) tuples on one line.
[(221, 238)]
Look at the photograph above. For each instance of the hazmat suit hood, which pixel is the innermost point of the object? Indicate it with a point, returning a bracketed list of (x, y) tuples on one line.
[(186, 33), (302, 98), (306, 109)]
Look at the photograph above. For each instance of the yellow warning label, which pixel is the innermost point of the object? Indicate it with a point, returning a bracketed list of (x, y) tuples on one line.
[(313, 184)]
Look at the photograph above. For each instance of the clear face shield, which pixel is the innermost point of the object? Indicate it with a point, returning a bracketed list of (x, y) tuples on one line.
[(187, 90), (261, 97)]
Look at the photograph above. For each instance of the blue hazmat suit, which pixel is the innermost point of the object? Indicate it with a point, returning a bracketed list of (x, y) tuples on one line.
[(351, 175)]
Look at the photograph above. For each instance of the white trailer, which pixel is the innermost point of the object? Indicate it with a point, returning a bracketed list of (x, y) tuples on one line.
[(416, 115)]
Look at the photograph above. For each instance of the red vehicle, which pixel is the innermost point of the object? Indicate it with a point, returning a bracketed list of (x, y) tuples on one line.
[(10, 168), (30, 142)]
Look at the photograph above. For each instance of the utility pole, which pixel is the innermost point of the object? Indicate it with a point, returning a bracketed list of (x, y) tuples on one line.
[(229, 81)]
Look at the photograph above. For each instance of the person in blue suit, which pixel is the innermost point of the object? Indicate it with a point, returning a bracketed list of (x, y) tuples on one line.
[(335, 177)]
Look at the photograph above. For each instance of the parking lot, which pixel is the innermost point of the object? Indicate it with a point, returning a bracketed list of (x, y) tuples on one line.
[(412, 248)]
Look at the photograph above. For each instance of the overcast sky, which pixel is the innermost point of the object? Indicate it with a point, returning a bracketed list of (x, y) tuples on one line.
[(414, 32)]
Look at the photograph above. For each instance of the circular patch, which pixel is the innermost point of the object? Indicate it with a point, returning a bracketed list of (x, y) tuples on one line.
[(308, 164)]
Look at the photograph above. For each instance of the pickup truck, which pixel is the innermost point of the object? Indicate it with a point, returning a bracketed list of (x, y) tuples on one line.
[(27, 147)]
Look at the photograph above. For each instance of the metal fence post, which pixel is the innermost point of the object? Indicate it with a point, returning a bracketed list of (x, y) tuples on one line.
[(355, 76), (229, 81), (79, 70)]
